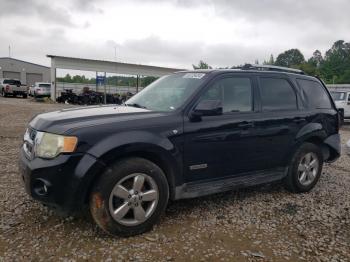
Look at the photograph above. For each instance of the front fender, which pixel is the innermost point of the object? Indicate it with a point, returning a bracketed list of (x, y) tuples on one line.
[(144, 144), (124, 139)]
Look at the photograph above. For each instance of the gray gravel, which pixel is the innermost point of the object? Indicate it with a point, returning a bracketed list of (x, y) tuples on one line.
[(256, 224)]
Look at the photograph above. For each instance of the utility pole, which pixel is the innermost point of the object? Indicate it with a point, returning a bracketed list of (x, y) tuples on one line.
[(105, 96), (115, 54)]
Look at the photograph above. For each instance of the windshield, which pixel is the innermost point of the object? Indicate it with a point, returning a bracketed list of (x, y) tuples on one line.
[(338, 96), (44, 85), (167, 93)]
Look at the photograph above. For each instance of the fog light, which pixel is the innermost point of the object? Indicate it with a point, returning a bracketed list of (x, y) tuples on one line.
[(41, 187)]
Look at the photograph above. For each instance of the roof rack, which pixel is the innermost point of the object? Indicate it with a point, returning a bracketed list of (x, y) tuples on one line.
[(272, 68)]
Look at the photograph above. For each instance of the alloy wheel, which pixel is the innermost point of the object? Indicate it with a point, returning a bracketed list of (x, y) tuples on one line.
[(133, 199), (308, 168)]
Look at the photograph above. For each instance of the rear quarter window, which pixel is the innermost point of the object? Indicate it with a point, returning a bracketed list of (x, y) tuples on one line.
[(315, 95)]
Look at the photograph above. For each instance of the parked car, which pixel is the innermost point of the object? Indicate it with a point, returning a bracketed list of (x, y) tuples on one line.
[(186, 135), (12, 87), (342, 101), (40, 90)]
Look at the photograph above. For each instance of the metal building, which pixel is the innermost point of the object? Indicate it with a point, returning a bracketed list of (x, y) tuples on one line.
[(74, 63), (28, 73)]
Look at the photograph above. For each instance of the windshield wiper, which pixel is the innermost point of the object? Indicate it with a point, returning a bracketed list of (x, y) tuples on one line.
[(136, 105)]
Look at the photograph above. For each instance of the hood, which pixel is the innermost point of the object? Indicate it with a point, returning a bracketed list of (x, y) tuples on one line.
[(63, 121)]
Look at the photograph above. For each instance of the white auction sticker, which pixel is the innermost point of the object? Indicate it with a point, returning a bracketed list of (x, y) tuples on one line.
[(194, 75)]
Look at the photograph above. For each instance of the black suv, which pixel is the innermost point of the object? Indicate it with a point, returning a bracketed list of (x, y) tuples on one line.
[(186, 135)]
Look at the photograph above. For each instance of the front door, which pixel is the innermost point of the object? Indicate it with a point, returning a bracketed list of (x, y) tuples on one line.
[(221, 145)]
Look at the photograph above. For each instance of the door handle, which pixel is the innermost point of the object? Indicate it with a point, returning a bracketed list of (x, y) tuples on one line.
[(246, 124), (299, 119)]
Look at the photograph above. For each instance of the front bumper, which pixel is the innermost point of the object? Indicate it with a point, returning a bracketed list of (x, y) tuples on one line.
[(63, 182)]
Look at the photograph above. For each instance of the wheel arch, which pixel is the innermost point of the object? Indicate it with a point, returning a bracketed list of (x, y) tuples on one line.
[(168, 161), (315, 134)]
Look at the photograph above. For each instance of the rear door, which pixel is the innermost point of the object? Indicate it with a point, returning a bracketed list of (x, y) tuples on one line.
[(280, 121)]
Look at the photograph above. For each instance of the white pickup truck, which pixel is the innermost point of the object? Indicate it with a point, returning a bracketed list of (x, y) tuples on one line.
[(12, 87)]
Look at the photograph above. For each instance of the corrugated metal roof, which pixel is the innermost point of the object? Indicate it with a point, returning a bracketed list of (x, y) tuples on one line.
[(18, 60)]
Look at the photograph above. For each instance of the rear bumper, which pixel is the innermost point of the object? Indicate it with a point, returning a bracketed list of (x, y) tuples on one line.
[(15, 92), (333, 142), (62, 183), (42, 94)]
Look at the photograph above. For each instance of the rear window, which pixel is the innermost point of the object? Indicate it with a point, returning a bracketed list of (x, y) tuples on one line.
[(338, 96), (12, 82), (277, 94), (315, 94), (44, 85)]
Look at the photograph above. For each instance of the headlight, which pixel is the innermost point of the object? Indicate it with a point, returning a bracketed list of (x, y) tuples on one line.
[(50, 145)]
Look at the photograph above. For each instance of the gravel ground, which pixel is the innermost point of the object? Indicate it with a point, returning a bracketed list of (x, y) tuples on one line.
[(256, 224)]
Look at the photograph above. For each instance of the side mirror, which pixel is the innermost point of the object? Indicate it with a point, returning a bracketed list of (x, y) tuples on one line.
[(206, 108)]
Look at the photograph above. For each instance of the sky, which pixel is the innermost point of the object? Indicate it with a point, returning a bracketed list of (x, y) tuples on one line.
[(173, 33)]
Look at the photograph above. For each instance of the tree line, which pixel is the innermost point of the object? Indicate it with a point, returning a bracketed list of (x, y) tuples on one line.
[(110, 80), (332, 67)]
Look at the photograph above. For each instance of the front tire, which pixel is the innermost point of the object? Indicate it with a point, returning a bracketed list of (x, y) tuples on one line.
[(305, 168), (129, 197)]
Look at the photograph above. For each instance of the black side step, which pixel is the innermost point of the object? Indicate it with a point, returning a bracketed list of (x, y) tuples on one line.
[(202, 188)]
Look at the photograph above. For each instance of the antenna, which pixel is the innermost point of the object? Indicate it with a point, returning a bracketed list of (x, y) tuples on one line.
[(9, 50)]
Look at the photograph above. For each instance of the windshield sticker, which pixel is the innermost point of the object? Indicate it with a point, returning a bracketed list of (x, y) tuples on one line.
[(194, 75)]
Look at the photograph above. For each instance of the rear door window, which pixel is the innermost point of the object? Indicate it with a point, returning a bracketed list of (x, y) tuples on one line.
[(315, 95), (277, 94)]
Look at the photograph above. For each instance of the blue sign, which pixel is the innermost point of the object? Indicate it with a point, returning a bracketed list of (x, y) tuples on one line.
[(100, 80)]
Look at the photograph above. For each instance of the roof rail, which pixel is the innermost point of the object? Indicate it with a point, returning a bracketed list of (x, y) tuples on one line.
[(272, 68)]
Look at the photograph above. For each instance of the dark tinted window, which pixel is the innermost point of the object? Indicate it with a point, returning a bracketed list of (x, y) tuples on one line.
[(12, 82), (277, 94), (314, 93), (44, 85), (235, 94)]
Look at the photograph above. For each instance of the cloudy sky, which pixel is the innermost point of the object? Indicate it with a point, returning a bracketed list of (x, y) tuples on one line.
[(174, 33)]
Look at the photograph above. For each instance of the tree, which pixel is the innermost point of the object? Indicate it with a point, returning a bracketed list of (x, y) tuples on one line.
[(290, 58), (308, 68), (336, 62), (202, 65), (316, 59), (270, 62)]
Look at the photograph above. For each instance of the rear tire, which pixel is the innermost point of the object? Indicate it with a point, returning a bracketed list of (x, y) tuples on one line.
[(129, 197), (305, 168)]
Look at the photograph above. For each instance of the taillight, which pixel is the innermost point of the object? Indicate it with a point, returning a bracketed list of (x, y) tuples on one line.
[(7, 88)]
